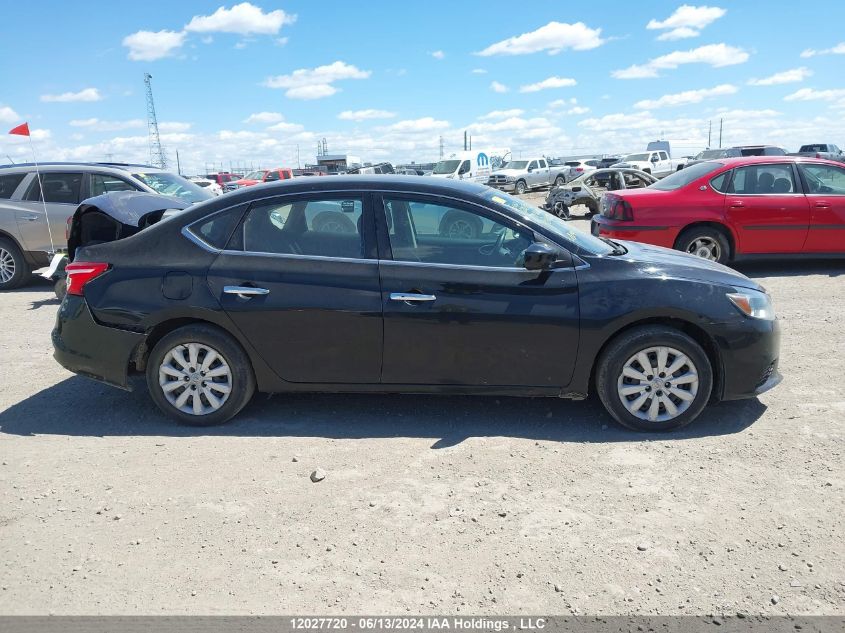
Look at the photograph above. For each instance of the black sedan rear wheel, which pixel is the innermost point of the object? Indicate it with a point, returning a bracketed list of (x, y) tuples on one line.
[(200, 375), (654, 378)]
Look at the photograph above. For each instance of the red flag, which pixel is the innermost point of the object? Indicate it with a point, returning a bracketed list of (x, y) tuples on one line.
[(21, 130)]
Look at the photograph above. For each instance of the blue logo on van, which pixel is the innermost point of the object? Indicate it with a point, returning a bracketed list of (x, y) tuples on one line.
[(482, 159)]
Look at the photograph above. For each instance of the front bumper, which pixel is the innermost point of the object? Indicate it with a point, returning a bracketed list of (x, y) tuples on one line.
[(749, 353), (85, 347), (503, 186)]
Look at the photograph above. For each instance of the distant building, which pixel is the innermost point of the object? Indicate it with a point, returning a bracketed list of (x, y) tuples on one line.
[(335, 163)]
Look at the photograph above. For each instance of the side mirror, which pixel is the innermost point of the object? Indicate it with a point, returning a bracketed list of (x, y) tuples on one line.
[(654, 158), (540, 256), (576, 188), (530, 169)]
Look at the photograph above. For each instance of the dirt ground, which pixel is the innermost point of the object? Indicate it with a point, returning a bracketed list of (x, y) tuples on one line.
[(431, 504)]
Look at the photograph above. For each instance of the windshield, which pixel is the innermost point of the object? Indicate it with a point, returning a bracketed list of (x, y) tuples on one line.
[(516, 164), (446, 166), (169, 184), (684, 177), (710, 153), (813, 148), (255, 175), (636, 157), (550, 222)]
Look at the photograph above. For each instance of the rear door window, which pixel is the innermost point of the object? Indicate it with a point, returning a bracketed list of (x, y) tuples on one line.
[(762, 180), (8, 184), (316, 227), (61, 188)]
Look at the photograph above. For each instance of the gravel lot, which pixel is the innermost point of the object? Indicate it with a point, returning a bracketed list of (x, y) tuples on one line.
[(430, 504)]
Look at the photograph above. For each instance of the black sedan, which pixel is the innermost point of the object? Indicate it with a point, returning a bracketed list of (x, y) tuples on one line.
[(352, 284)]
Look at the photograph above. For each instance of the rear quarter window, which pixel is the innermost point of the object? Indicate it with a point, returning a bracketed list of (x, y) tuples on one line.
[(218, 228), (8, 184), (720, 182)]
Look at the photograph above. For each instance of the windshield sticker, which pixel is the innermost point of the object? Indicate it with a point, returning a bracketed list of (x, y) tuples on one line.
[(499, 200)]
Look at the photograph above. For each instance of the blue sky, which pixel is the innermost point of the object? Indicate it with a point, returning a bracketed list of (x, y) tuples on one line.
[(384, 80)]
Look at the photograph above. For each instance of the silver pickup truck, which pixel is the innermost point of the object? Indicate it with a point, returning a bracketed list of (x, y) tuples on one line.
[(522, 175), (821, 150)]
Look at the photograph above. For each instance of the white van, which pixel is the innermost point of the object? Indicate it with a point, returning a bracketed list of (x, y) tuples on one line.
[(474, 165)]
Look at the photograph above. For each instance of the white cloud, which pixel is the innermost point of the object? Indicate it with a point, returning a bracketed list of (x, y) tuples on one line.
[(551, 82), (502, 114), (497, 87), (281, 41), (364, 115), (288, 128), (811, 94), (438, 54), (554, 37), (479, 71), (242, 19), (86, 94), (148, 46), (571, 106), (425, 124), (839, 49), (686, 21), (715, 55), (315, 83), (7, 115), (264, 117), (174, 126), (785, 77), (108, 126), (686, 98)]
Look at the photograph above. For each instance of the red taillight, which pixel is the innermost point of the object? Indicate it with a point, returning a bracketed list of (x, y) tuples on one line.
[(579, 169), (80, 273), (619, 209), (818, 155)]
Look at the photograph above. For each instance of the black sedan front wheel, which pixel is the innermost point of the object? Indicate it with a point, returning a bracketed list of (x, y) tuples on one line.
[(199, 375), (654, 378)]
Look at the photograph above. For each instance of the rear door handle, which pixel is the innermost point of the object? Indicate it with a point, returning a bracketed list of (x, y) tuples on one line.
[(245, 292), (410, 296), (822, 205), (737, 204), (31, 218)]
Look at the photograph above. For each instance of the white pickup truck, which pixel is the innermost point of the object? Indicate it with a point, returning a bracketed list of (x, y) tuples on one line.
[(656, 160), (521, 175)]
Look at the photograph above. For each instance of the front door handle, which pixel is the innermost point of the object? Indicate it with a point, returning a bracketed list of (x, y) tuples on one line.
[(245, 292), (31, 218), (737, 204), (410, 296)]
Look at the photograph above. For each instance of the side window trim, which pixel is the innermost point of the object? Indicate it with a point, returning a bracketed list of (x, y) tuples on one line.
[(797, 186), (34, 183)]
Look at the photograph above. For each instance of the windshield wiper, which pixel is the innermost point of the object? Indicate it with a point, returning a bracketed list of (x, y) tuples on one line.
[(618, 249)]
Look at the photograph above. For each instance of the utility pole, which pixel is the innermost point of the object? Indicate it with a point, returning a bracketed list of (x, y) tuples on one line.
[(720, 133), (298, 166), (178, 164), (709, 132), (156, 154), (441, 147)]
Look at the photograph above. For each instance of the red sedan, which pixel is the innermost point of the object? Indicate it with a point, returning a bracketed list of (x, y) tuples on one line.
[(734, 207), (259, 176)]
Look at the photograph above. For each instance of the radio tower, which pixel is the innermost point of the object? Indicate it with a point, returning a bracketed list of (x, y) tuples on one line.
[(157, 158)]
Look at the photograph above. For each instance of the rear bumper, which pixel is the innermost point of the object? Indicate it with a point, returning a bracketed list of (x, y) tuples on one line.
[(85, 347), (601, 226), (749, 353)]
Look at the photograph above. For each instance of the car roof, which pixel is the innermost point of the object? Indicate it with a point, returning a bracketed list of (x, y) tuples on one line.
[(382, 182), (57, 165), (746, 160)]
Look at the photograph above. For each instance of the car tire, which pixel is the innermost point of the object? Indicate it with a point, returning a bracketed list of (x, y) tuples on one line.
[(703, 240), (60, 288), (521, 187), (14, 269), (560, 180), (461, 225), (229, 370), (630, 399)]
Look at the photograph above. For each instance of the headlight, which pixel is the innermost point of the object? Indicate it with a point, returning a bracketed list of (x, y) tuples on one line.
[(509, 179), (753, 303)]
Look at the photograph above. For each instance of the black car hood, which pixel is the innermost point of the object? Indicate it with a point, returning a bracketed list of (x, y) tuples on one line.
[(666, 261), (128, 207)]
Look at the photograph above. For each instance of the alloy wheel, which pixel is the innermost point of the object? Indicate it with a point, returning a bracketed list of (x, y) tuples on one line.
[(706, 248), (195, 378), (460, 229), (658, 384), (7, 266)]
